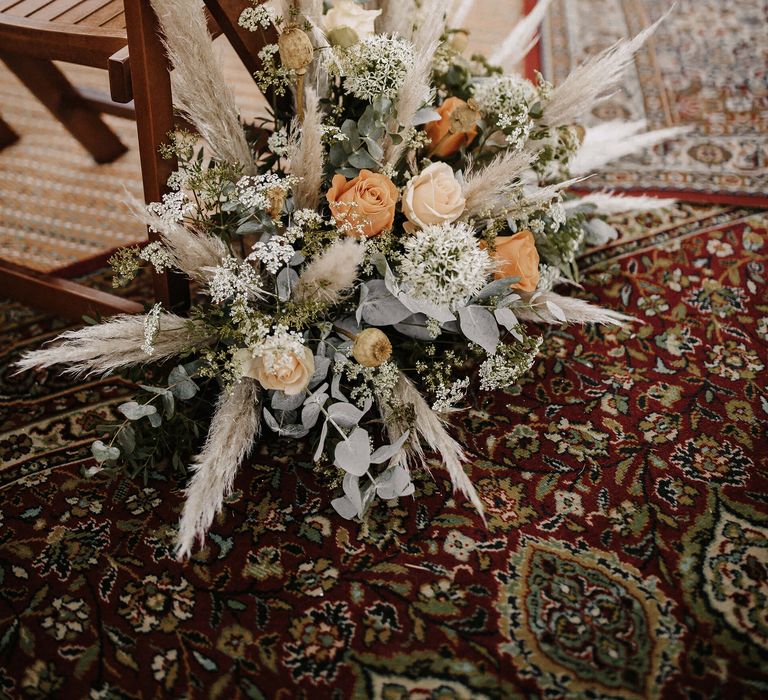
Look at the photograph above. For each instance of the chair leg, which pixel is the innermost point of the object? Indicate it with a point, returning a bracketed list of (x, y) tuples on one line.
[(7, 135), (151, 80), (49, 85)]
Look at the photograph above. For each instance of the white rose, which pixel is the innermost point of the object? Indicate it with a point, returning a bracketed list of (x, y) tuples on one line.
[(433, 197), (346, 13), (290, 376)]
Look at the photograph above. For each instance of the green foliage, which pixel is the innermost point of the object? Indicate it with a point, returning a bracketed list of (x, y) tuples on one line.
[(162, 424)]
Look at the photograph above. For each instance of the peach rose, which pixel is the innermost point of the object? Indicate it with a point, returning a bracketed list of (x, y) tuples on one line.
[(449, 134), (290, 376), (367, 200), (517, 257), (433, 197)]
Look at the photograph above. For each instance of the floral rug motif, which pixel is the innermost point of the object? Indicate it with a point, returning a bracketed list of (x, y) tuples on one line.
[(626, 554), (704, 67)]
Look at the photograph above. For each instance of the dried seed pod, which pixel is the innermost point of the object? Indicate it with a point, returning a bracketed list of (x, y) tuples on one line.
[(464, 117), (276, 198), (372, 348), (296, 51), (459, 40)]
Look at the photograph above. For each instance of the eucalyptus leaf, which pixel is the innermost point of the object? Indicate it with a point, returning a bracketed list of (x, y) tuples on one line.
[(126, 437), (155, 419), (362, 160), (336, 391), (134, 411), (353, 455), (321, 443), (344, 507), (415, 326), (345, 415), (180, 383), (322, 365), (284, 402), (286, 280), (351, 486), (386, 452), (380, 307), (497, 288), (394, 483), (506, 318), (479, 326), (104, 453)]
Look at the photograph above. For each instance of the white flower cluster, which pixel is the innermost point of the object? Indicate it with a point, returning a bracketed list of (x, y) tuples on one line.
[(280, 144), (448, 395), (375, 66), (257, 17), (253, 191), (377, 383), (444, 265), (234, 280), (151, 328), (500, 371), (507, 99), (333, 133), (302, 220), (277, 252), (171, 209), (157, 255), (279, 349)]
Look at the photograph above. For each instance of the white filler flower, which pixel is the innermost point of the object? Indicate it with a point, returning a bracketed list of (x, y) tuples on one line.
[(444, 265)]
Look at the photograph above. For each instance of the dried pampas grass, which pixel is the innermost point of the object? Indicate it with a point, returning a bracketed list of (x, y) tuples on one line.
[(593, 81), (523, 37), (429, 426), (333, 274), (460, 12), (612, 140), (484, 189), (190, 251), (613, 203), (307, 159), (234, 427), (416, 92), (395, 18), (575, 310), (114, 344), (430, 25), (199, 88)]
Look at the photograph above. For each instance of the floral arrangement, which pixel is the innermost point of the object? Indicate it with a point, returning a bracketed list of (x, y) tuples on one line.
[(383, 252)]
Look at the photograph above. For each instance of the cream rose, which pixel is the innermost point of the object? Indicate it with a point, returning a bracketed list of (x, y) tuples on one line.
[(290, 373), (433, 197), (346, 13)]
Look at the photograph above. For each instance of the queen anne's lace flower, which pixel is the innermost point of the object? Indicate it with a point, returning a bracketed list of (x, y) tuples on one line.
[(234, 280), (157, 255), (151, 328), (507, 100), (277, 252), (171, 209), (444, 264), (375, 66)]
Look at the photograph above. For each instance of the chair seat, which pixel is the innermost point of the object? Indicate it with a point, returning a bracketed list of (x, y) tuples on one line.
[(86, 14)]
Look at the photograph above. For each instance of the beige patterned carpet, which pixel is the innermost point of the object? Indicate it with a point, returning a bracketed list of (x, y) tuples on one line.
[(58, 207)]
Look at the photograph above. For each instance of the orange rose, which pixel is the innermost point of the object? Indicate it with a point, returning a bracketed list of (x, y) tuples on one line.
[(367, 201), (449, 135), (517, 257)]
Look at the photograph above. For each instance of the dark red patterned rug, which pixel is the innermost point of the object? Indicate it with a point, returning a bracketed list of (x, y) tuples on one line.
[(626, 484)]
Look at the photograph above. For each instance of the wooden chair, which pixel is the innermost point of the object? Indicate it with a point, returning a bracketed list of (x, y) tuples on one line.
[(122, 37)]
